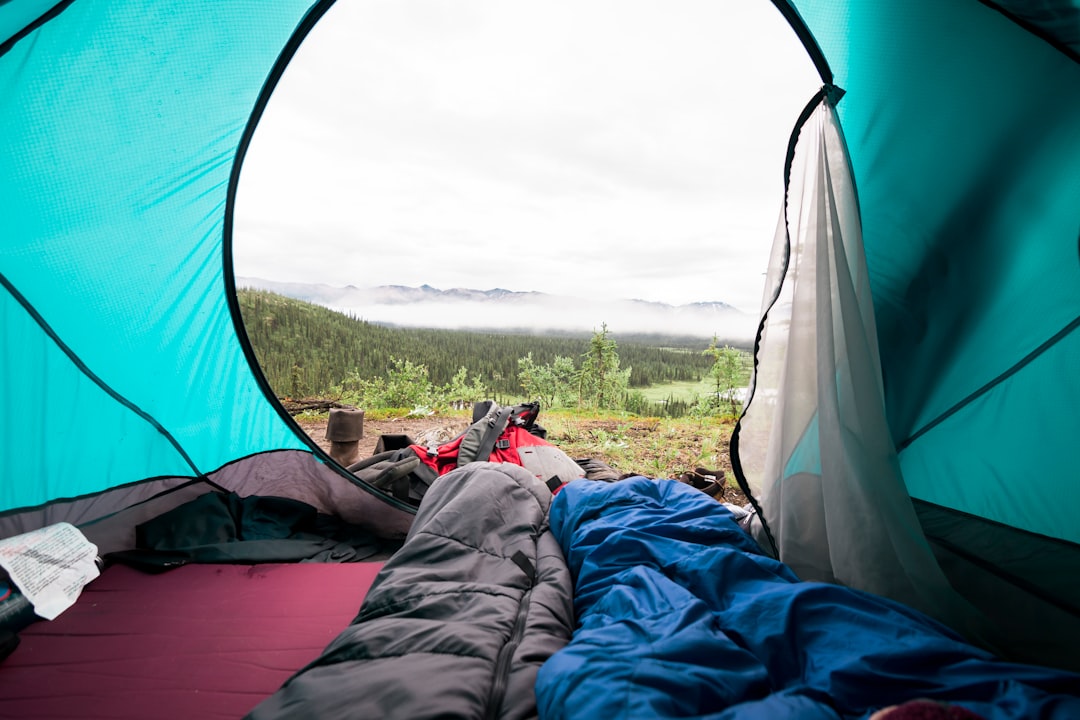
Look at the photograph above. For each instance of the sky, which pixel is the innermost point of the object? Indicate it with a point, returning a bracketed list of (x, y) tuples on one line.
[(588, 148)]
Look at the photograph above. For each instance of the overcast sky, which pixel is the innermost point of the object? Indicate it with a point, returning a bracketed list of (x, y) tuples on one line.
[(617, 148)]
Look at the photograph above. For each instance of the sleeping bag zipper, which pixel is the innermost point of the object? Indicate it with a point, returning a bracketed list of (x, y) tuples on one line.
[(506, 652)]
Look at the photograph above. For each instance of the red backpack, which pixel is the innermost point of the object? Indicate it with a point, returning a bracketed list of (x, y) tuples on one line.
[(497, 434)]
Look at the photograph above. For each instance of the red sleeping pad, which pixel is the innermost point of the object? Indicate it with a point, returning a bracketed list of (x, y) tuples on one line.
[(199, 641)]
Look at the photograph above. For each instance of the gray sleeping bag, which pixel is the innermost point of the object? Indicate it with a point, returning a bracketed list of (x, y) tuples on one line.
[(458, 621)]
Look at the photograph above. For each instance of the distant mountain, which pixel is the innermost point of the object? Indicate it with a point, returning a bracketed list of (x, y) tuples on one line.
[(499, 309)]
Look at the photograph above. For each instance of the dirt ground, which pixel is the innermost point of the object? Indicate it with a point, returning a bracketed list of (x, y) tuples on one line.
[(419, 429), (588, 439)]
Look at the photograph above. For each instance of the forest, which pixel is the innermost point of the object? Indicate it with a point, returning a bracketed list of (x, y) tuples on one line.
[(306, 350)]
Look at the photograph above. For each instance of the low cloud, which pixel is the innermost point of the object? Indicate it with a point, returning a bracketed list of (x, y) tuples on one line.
[(619, 320)]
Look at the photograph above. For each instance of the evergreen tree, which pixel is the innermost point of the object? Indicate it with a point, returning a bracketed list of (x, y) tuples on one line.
[(601, 384)]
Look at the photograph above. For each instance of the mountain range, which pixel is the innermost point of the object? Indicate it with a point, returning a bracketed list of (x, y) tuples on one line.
[(499, 309)]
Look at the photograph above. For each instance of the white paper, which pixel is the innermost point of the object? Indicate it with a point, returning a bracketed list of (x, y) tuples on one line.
[(50, 566)]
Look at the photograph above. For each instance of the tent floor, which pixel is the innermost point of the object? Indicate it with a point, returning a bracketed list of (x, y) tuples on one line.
[(199, 641)]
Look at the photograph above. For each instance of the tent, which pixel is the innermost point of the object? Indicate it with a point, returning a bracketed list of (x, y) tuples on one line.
[(919, 336), (912, 419)]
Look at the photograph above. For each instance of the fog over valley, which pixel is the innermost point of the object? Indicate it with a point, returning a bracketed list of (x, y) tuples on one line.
[(498, 309)]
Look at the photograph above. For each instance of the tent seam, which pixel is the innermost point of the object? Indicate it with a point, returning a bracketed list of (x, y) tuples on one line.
[(88, 373), (809, 42), (45, 17), (972, 397), (1034, 30)]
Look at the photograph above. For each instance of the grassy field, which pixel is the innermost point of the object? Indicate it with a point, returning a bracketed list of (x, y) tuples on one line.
[(685, 390), (656, 447)]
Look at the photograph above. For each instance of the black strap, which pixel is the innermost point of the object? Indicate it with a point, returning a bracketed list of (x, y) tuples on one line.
[(492, 433), (523, 562)]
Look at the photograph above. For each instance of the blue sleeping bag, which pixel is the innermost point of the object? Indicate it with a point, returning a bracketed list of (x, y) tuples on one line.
[(680, 615)]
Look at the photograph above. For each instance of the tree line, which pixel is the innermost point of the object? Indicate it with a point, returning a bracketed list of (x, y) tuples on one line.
[(308, 350)]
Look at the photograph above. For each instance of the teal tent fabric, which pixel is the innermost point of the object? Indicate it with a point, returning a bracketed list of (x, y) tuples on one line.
[(963, 129), (119, 131)]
